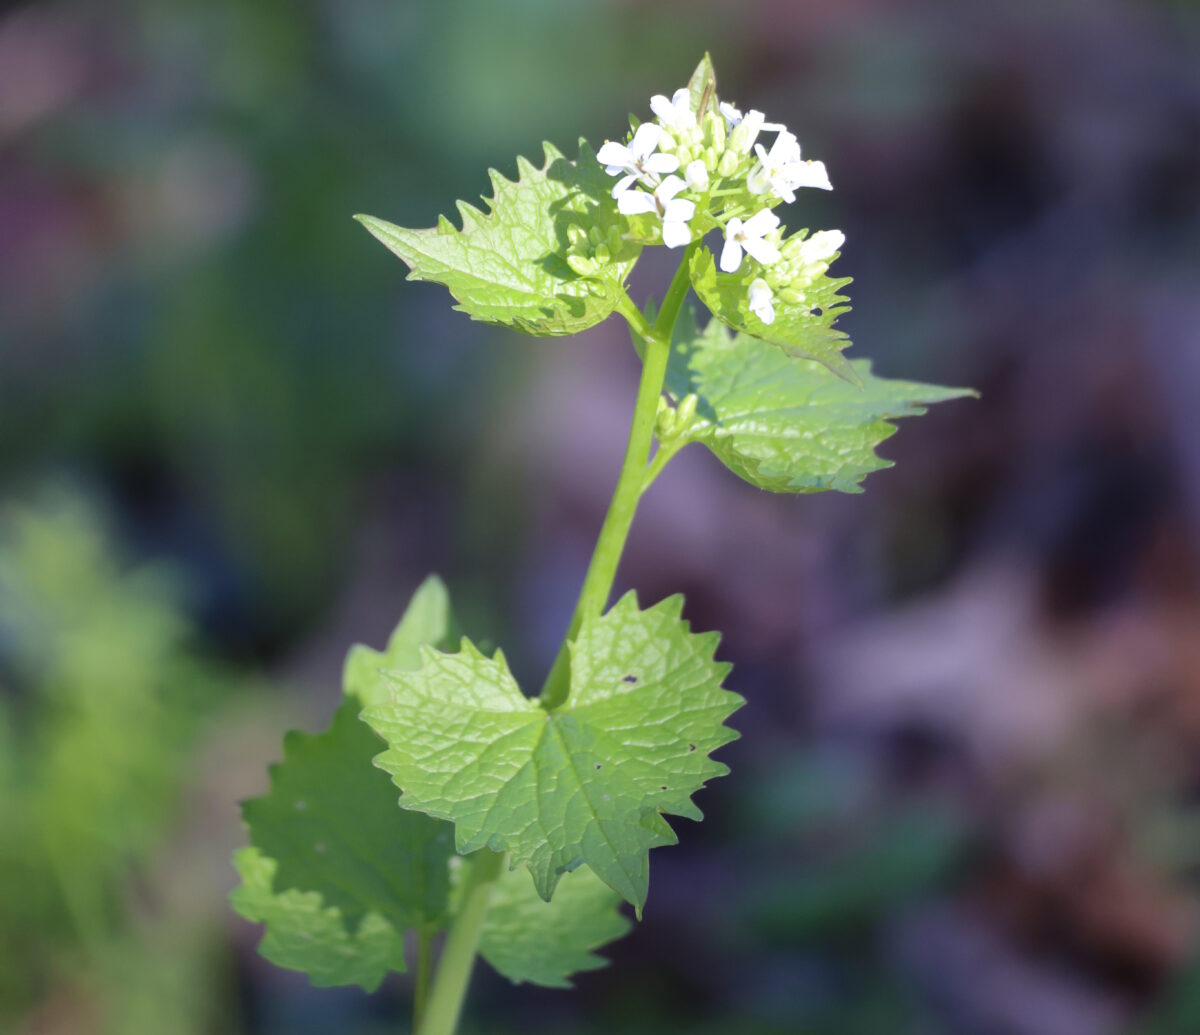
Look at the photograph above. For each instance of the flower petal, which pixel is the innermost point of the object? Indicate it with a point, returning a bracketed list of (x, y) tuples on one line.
[(661, 106), (679, 210), (661, 163), (762, 222), (676, 235), (731, 256), (636, 202), (669, 187), (645, 140), (764, 251), (785, 149), (613, 153), (809, 174), (623, 184)]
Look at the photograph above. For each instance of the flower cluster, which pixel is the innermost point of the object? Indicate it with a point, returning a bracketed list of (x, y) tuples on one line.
[(692, 172)]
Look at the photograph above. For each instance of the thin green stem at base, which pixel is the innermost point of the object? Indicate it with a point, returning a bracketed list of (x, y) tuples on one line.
[(602, 570), (424, 973), (458, 957)]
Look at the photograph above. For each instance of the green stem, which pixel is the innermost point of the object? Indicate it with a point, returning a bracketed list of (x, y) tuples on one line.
[(662, 457), (458, 957), (438, 1015), (421, 989), (602, 570)]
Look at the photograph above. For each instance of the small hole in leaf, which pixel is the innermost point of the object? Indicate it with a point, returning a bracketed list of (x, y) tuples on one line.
[(691, 747), (629, 679), (663, 787), (816, 310), (599, 766)]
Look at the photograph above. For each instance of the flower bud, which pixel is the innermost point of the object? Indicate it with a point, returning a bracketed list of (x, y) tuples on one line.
[(582, 265), (717, 134), (687, 408), (746, 132), (728, 165)]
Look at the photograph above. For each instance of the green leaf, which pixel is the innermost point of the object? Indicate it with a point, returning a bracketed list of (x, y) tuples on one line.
[(331, 833), (332, 826), (338, 873), (305, 934), (427, 619), (548, 257), (803, 329), (702, 87), (527, 939), (783, 424), (588, 782)]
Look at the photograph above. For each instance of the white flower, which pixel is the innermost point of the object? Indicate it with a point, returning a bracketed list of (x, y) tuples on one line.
[(782, 171), (734, 115), (637, 159), (750, 236), (696, 175), (676, 113), (762, 302), (674, 212), (821, 246)]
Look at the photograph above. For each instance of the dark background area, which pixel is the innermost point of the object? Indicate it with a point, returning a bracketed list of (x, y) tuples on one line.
[(233, 440)]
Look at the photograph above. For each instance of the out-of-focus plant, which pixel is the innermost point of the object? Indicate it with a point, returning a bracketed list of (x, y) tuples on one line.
[(571, 788), (101, 697)]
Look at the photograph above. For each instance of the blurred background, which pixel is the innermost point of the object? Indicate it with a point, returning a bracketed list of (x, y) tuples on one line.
[(233, 441)]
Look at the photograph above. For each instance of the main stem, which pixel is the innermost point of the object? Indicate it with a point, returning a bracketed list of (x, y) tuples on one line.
[(441, 1011), (458, 956), (597, 583), (424, 972)]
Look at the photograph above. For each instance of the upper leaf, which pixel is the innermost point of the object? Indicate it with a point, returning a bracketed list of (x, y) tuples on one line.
[(305, 934), (783, 424), (702, 87), (548, 257), (803, 328), (586, 783), (527, 939)]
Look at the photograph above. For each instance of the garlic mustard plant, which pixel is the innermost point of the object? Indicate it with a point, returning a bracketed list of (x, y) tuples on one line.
[(449, 813)]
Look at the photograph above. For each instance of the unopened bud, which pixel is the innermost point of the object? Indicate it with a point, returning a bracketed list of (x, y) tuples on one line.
[(687, 409), (717, 132), (582, 265)]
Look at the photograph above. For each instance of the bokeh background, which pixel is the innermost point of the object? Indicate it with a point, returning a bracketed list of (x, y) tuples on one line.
[(233, 440)]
